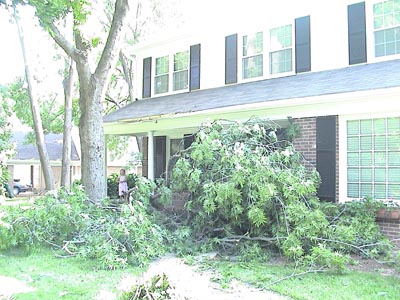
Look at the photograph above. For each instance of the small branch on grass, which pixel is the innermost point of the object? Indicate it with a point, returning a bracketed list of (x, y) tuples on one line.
[(294, 274)]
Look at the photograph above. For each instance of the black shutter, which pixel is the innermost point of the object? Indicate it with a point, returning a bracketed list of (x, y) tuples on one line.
[(188, 139), (195, 53), (326, 157), (303, 44), (357, 33), (231, 58), (160, 153), (146, 88)]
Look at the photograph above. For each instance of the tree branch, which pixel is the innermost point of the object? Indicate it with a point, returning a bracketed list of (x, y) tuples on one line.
[(111, 49), (64, 44)]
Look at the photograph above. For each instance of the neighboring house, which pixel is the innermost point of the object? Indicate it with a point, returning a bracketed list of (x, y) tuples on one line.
[(334, 68), (25, 165)]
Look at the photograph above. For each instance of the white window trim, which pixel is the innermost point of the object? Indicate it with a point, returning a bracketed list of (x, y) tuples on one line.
[(266, 51), (369, 27), (170, 74), (343, 147)]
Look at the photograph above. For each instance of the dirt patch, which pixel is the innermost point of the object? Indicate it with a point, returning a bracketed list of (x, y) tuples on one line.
[(191, 283), (10, 286)]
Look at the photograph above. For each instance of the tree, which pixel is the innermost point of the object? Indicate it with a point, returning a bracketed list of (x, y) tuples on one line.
[(6, 147), (92, 85), (68, 84), (37, 121)]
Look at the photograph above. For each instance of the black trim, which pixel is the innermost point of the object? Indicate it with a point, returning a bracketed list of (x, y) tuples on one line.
[(195, 54), (231, 58), (357, 33), (160, 152), (146, 88), (326, 157), (303, 44)]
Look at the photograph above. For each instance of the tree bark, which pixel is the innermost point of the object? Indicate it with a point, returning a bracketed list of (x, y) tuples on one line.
[(68, 84), (37, 120), (92, 89)]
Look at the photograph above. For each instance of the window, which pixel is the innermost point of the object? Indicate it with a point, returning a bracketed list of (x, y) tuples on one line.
[(253, 55), (373, 158), (179, 79), (386, 17), (280, 55), (181, 64), (161, 80), (269, 54)]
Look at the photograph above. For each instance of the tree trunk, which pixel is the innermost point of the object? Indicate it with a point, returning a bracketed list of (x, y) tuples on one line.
[(68, 84), (37, 120)]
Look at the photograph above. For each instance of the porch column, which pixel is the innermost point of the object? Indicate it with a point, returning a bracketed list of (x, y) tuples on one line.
[(150, 155)]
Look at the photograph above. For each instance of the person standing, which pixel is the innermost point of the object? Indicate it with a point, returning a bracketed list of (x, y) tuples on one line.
[(122, 184)]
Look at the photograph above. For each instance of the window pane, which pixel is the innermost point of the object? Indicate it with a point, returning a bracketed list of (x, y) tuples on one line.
[(181, 61), (394, 175), (379, 126), (352, 175), (366, 159), (379, 50), (397, 5), (394, 191), (162, 65), (352, 190), (394, 142), (397, 18), (393, 125), (366, 190), (388, 20), (380, 158), (253, 44), (394, 159), (366, 126), (253, 66), (378, 22), (352, 143), (387, 7), (352, 159), (281, 37), (378, 9), (380, 142), (366, 175), (161, 84), (180, 80), (280, 61), (380, 174), (366, 142), (352, 127), (380, 191)]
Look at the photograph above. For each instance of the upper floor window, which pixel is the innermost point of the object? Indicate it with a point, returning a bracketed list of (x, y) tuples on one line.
[(179, 63), (281, 49), (273, 57), (386, 16), (161, 79)]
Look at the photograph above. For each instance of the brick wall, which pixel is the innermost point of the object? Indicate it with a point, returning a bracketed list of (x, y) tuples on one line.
[(390, 228), (306, 143)]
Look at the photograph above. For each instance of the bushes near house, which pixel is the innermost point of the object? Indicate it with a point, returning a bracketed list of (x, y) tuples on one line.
[(246, 184)]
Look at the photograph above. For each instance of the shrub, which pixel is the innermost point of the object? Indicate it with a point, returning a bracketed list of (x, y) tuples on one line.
[(115, 235), (247, 182)]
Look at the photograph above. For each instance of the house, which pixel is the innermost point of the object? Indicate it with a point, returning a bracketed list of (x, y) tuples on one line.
[(333, 67), (25, 165)]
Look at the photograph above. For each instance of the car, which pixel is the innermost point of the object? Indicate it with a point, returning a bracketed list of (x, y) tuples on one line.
[(20, 187)]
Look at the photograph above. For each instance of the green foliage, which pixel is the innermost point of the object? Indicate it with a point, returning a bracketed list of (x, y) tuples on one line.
[(6, 148), (247, 180), (114, 235), (158, 288), (112, 184), (55, 10)]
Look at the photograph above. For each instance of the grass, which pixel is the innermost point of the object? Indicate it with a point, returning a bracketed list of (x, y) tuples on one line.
[(313, 286), (59, 278)]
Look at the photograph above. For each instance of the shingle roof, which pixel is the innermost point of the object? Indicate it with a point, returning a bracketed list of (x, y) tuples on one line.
[(29, 151), (350, 79)]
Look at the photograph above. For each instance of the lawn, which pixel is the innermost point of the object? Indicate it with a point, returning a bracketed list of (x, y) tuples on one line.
[(60, 278), (314, 286)]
